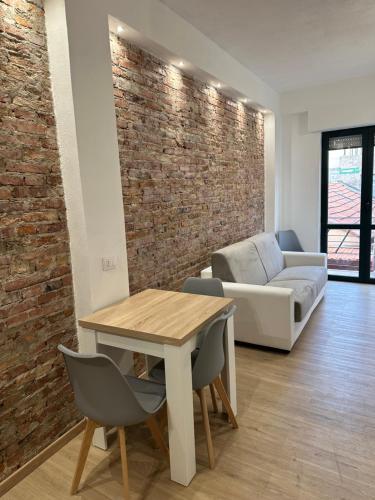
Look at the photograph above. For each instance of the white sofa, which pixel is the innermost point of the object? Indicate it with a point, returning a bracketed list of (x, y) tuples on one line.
[(275, 292)]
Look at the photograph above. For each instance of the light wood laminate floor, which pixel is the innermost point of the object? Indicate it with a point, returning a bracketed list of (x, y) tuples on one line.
[(307, 425)]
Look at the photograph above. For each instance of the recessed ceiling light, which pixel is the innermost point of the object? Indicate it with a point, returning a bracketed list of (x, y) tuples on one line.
[(218, 85), (181, 64), (245, 100), (120, 29)]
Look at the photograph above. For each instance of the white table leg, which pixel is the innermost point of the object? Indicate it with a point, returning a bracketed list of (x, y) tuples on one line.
[(100, 438), (88, 344), (123, 358), (151, 361), (229, 371), (180, 412)]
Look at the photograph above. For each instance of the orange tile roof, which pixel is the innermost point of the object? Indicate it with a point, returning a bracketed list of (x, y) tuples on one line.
[(344, 204), (344, 207)]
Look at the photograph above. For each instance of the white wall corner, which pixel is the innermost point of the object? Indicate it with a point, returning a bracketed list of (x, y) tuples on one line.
[(87, 137), (271, 172)]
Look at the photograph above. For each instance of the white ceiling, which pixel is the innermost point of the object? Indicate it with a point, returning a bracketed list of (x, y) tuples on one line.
[(290, 43)]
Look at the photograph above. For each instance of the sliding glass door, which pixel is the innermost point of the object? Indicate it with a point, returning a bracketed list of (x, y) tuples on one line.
[(348, 208)]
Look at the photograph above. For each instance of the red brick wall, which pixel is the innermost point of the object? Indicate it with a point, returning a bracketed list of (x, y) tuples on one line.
[(36, 296), (192, 166)]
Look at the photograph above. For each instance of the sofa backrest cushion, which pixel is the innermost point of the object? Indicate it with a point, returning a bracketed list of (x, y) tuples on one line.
[(239, 263), (269, 253)]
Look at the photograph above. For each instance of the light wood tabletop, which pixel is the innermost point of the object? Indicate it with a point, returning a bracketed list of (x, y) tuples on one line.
[(158, 316)]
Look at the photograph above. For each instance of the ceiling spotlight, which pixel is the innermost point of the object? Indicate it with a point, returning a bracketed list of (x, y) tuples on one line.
[(218, 85), (245, 100), (181, 64), (120, 29)]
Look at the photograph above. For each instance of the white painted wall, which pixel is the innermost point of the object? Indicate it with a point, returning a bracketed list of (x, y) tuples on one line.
[(344, 104), (272, 170), (306, 113), (87, 138), (301, 181), (80, 63)]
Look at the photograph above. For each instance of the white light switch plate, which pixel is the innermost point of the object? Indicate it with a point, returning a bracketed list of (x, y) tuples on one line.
[(108, 263)]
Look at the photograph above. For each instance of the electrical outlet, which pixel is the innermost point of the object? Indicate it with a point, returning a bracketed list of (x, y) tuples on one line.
[(108, 263)]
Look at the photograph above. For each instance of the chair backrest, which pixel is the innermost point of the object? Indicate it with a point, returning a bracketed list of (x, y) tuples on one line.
[(211, 357), (288, 241), (101, 392), (199, 286)]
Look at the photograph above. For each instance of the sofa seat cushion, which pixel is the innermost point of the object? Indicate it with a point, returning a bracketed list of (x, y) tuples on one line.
[(315, 274), (270, 254), (239, 263), (304, 294)]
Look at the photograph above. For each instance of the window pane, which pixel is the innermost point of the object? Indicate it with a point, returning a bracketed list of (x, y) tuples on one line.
[(344, 185), (343, 252)]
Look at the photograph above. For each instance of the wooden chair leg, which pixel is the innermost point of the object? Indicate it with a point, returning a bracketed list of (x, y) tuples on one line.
[(152, 424), (84, 451), (163, 418), (124, 461), (224, 397), (206, 423), (213, 397)]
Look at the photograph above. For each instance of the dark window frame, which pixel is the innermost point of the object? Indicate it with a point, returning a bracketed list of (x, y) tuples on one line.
[(365, 226)]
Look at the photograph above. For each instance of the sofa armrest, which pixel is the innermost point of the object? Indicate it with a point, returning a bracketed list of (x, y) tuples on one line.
[(244, 290), (293, 259), (265, 314)]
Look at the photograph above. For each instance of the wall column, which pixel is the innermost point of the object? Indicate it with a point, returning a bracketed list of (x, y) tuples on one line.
[(80, 66)]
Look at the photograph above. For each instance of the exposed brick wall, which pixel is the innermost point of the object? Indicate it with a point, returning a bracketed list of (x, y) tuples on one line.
[(36, 297), (192, 166)]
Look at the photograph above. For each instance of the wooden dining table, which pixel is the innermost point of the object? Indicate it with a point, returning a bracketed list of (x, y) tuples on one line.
[(165, 324)]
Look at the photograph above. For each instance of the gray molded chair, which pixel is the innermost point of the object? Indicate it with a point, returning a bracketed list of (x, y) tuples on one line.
[(213, 287), (288, 241), (108, 398), (207, 364), (199, 286)]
